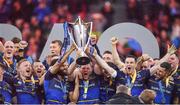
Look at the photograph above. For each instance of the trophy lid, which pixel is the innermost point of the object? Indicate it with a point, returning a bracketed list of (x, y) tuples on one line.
[(83, 60)]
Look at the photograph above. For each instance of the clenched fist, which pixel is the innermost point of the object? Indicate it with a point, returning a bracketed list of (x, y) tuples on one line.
[(114, 40)]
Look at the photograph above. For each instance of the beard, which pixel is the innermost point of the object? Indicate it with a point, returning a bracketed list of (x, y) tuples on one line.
[(62, 73)]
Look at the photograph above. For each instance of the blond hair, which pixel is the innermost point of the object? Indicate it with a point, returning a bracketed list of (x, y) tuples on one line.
[(147, 96)]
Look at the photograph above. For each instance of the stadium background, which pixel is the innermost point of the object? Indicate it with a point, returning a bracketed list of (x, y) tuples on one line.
[(35, 18)]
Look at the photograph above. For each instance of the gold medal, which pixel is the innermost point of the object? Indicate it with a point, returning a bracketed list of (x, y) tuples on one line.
[(84, 96), (65, 97)]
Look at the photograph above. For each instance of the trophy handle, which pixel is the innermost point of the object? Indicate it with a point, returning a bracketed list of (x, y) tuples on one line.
[(90, 31), (70, 34)]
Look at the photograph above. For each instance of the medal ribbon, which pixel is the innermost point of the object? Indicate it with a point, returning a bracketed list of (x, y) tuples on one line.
[(168, 78), (63, 87), (86, 84), (162, 93), (130, 82)]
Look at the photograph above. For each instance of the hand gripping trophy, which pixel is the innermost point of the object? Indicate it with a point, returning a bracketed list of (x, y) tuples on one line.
[(79, 33)]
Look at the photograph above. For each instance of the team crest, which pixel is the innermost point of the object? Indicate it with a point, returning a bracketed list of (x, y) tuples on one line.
[(138, 75), (19, 82)]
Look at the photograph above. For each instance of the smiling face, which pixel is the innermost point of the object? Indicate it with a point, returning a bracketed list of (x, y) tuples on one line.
[(161, 73), (9, 49), (163, 70), (25, 69), (39, 69)]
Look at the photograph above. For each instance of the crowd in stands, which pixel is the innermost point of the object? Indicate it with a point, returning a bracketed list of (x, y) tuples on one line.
[(100, 78), (35, 18)]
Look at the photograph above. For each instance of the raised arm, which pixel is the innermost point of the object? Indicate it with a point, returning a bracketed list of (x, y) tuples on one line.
[(140, 61), (41, 80), (54, 69), (117, 60), (103, 64), (170, 51), (73, 65), (74, 95)]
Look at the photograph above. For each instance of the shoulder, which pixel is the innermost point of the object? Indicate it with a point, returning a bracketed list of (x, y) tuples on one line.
[(7, 75), (145, 73), (176, 79), (95, 77), (49, 75), (152, 79), (17, 81), (120, 73)]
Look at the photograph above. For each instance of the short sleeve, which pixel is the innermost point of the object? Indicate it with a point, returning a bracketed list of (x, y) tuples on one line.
[(120, 78), (8, 78)]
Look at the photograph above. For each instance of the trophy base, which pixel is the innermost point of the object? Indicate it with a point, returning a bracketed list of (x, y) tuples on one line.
[(83, 61)]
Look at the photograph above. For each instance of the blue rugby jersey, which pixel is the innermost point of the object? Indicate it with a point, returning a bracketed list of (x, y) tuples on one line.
[(28, 92), (140, 82), (176, 78), (56, 90), (178, 70), (6, 91), (108, 87), (6, 88), (93, 93), (163, 94)]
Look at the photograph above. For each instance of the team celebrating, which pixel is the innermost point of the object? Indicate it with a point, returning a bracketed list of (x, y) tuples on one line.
[(105, 79)]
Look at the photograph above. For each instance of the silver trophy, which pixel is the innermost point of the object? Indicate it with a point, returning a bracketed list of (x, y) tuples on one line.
[(79, 33)]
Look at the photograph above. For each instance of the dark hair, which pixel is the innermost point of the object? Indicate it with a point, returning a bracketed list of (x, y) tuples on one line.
[(15, 40), (156, 59), (166, 65), (2, 39), (107, 52), (131, 56), (37, 60), (57, 41)]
